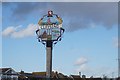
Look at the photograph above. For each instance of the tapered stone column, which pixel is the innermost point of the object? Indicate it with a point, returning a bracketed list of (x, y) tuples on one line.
[(48, 59)]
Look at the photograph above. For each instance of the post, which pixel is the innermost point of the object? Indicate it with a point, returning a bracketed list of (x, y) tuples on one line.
[(49, 32), (48, 59)]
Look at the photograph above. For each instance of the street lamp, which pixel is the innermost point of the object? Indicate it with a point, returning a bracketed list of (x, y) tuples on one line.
[(49, 32)]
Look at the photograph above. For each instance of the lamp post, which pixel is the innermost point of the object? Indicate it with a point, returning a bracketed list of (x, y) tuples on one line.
[(49, 32)]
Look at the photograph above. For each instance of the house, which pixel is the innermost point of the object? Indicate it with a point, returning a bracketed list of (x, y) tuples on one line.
[(8, 74), (75, 77), (54, 76), (26, 76)]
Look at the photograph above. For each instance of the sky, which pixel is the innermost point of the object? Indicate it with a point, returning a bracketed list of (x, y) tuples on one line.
[(59, 0), (89, 44)]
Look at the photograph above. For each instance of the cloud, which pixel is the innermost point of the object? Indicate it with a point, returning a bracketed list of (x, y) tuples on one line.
[(81, 65), (16, 32), (76, 15), (8, 31), (82, 68), (22, 10), (96, 71), (81, 61), (81, 15), (25, 9)]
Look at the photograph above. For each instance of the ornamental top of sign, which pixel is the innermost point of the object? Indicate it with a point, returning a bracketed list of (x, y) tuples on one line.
[(50, 19), (50, 28)]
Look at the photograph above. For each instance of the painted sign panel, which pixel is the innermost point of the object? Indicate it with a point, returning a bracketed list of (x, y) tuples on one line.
[(50, 34), (50, 25)]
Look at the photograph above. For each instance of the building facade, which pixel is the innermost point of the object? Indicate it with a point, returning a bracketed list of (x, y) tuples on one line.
[(8, 74)]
